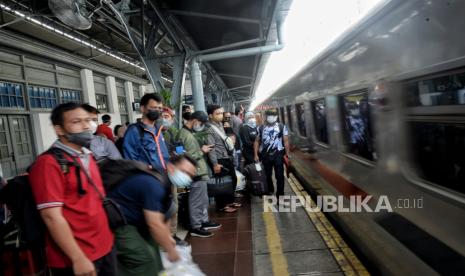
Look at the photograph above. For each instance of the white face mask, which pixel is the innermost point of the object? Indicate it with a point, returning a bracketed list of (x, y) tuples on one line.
[(252, 123), (272, 119), (93, 126), (198, 128), (180, 179)]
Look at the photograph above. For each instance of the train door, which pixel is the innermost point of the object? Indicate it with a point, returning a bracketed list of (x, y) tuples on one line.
[(16, 152)]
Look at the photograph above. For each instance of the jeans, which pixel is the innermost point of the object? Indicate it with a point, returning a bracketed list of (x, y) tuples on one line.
[(275, 162)]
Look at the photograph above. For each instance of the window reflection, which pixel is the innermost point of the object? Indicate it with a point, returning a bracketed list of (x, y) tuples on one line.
[(289, 118), (357, 125), (319, 117), (301, 118), (438, 150), (445, 90)]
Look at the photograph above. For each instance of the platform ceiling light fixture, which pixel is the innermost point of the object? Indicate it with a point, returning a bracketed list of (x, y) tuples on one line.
[(309, 28), (76, 39)]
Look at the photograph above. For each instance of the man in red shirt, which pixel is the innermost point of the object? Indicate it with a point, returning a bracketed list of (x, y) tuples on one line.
[(79, 240), (105, 129)]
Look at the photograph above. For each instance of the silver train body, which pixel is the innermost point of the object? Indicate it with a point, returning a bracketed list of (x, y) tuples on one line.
[(406, 64)]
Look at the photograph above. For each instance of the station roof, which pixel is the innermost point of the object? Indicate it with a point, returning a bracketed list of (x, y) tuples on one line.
[(200, 25)]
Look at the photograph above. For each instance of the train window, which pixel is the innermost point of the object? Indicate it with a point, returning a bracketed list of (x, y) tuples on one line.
[(289, 118), (443, 90), (357, 125), (319, 118), (281, 115), (438, 152), (300, 112)]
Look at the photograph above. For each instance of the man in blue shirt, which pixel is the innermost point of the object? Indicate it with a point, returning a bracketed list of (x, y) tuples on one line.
[(146, 204), (143, 141)]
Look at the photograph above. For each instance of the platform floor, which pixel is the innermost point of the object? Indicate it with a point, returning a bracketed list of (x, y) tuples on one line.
[(229, 252), (254, 242)]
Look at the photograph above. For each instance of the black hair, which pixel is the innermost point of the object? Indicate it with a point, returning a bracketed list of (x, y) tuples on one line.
[(106, 118), (58, 112), (115, 129), (175, 159), (150, 96), (87, 107), (184, 107), (186, 116), (237, 110), (127, 123), (271, 111), (212, 107)]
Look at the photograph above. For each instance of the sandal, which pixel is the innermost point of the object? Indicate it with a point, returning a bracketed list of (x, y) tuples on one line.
[(228, 209)]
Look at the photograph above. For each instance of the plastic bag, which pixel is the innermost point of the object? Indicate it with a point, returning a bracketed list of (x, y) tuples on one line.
[(183, 251), (183, 268), (240, 181)]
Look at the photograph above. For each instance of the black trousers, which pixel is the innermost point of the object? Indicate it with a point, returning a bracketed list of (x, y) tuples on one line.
[(228, 170), (275, 163), (105, 266)]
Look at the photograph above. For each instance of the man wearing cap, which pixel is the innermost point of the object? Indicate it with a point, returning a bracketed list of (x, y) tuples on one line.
[(273, 143), (198, 195), (248, 133)]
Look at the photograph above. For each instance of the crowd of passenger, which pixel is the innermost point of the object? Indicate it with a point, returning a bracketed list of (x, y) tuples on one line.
[(171, 157)]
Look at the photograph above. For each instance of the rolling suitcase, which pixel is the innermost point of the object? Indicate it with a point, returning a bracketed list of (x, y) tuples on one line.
[(256, 179)]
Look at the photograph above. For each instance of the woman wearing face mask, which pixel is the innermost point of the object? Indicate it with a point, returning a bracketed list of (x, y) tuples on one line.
[(248, 133)]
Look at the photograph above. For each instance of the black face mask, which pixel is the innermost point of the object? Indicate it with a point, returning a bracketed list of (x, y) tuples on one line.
[(82, 139), (152, 115)]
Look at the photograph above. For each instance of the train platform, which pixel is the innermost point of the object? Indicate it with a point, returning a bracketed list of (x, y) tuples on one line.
[(254, 242)]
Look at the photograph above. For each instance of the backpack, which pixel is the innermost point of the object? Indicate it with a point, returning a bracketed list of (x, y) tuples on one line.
[(18, 197), (114, 171)]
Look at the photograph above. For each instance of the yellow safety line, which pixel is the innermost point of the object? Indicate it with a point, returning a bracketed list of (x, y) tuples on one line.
[(278, 260), (344, 256)]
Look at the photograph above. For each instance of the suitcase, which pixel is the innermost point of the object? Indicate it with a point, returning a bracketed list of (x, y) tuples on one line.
[(256, 179)]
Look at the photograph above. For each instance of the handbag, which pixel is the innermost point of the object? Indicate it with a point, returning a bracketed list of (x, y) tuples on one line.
[(220, 186), (115, 216)]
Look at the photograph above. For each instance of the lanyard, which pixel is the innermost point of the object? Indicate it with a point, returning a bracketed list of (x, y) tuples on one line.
[(155, 138)]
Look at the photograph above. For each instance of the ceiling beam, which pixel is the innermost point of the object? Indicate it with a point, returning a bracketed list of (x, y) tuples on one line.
[(234, 76), (215, 16)]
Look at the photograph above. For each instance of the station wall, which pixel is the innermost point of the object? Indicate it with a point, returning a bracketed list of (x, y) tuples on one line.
[(31, 85)]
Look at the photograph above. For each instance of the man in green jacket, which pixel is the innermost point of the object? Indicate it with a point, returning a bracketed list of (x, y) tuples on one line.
[(198, 196)]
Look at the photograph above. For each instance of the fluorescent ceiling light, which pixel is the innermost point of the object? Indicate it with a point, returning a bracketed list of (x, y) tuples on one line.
[(78, 40), (310, 27)]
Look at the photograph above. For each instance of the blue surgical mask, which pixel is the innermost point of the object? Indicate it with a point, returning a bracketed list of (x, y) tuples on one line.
[(180, 179), (166, 123)]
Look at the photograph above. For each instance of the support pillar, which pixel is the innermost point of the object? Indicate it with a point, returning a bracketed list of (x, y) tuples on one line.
[(88, 90)]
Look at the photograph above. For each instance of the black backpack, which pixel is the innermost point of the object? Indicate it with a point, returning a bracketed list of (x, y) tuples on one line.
[(114, 171), (18, 197)]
